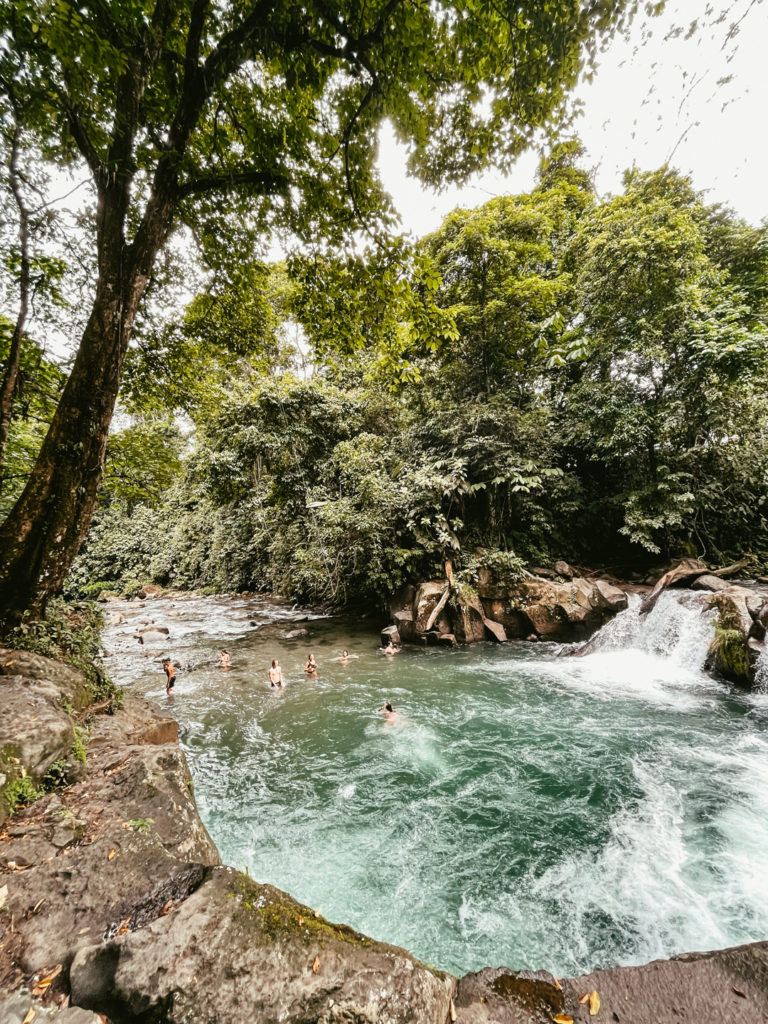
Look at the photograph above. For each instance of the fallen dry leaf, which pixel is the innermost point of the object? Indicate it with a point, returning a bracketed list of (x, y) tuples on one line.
[(124, 927), (318, 912), (562, 1018), (3, 896), (453, 1011), (111, 854), (301, 920), (557, 983), (594, 1003), (316, 965), (736, 990), (45, 983), (584, 999), (30, 1015)]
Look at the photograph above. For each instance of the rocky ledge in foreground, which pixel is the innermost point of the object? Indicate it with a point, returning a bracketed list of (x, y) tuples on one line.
[(114, 906)]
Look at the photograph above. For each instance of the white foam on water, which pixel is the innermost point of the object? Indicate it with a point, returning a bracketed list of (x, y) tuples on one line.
[(761, 671), (348, 791)]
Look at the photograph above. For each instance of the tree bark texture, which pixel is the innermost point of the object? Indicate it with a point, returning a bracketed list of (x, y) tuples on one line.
[(45, 529), (11, 368)]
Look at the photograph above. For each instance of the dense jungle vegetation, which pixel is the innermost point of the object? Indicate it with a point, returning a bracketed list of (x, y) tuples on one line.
[(597, 390)]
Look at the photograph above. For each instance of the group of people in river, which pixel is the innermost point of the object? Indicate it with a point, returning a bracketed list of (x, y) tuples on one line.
[(275, 672)]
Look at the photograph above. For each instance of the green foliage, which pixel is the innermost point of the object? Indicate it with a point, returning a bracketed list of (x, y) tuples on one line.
[(80, 744), (600, 395), (142, 825), (20, 793), (70, 632)]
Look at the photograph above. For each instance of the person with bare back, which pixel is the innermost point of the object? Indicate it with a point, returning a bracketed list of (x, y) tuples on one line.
[(276, 674)]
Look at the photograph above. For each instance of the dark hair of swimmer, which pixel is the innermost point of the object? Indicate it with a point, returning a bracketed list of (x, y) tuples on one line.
[(388, 706), (274, 663), (344, 654)]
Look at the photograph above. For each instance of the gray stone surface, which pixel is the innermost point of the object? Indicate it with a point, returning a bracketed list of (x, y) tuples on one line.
[(238, 951)]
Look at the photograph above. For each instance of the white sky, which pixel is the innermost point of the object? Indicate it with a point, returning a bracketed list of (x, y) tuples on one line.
[(654, 99)]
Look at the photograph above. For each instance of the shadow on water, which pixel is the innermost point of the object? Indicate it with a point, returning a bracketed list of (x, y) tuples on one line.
[(525, 809)]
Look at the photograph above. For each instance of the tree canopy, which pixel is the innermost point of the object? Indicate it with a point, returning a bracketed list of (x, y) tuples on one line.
[(240, 119)]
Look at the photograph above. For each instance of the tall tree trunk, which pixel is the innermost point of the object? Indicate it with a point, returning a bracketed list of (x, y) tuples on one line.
[(43, 532), (11, 368)]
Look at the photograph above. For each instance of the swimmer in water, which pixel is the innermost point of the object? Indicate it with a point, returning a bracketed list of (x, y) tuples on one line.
[(390, 649), (276, 675), (389, 712), (224, 659), (310, 666), (170, 675), (345, 656)]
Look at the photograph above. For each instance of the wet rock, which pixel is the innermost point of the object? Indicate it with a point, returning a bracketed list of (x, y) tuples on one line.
[(154, 629), (406, 625), (754, 603), (614, 598), (390, 635), (495, 631), (446, 640), (468, 620), (150, 590), (427, 599), (107, 595), (709, 582), (563, 569), (294, 634), (238, 951), (515, 622), (547, 574), (115, 619), (152, 636)]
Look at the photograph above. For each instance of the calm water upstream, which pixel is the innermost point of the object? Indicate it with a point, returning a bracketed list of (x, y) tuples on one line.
[(526, 810)]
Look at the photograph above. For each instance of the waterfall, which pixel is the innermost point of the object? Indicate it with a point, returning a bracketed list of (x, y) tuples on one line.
[(761, 671), (679, 628)]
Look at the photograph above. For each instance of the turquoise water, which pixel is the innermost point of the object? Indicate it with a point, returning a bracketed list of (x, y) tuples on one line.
[(525, 809)]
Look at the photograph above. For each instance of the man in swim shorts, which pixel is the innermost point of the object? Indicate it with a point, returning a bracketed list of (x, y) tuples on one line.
[(275, 674), (311, 666), (170, 675)]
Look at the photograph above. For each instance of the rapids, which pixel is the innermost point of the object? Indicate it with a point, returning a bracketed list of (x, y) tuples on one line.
[(527, 809)]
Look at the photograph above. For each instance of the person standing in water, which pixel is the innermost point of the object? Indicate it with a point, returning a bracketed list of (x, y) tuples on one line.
[(310, 666), (276, 674), (170, 675), (224, 659)]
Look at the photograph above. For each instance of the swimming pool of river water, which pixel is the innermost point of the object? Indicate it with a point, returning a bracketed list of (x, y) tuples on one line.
[(526, 809)]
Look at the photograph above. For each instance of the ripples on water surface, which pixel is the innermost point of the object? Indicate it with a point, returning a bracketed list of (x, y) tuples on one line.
[(527, 810)]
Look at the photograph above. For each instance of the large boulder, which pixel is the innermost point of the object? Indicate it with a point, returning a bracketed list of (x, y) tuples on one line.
[(516, 623), (468, 619), (427, 599), (709, 582), (406, 626), (729, 653), (239, 951), (614, 599)]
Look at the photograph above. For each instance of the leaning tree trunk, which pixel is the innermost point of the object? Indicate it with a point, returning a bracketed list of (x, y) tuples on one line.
[(43, 532), (46, 527)]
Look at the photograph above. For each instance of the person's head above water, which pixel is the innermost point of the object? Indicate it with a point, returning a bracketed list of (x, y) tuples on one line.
[(166, 661), (274, 663), (345, 654), (388, 706)]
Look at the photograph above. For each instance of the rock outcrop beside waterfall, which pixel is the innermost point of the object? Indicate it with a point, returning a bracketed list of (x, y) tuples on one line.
[(566, 611), (113, 901), (741, 617), (439, 611)]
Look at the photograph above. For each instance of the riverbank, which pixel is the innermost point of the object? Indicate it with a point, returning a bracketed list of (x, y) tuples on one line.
[(116, 901)]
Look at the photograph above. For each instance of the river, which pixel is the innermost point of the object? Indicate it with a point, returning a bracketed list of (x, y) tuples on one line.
[(525, 809)]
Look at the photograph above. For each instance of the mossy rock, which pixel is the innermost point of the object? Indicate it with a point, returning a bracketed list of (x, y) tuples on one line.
[(728, 655)]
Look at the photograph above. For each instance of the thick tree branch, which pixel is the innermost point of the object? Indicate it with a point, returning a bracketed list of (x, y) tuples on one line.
[(265, 182)]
